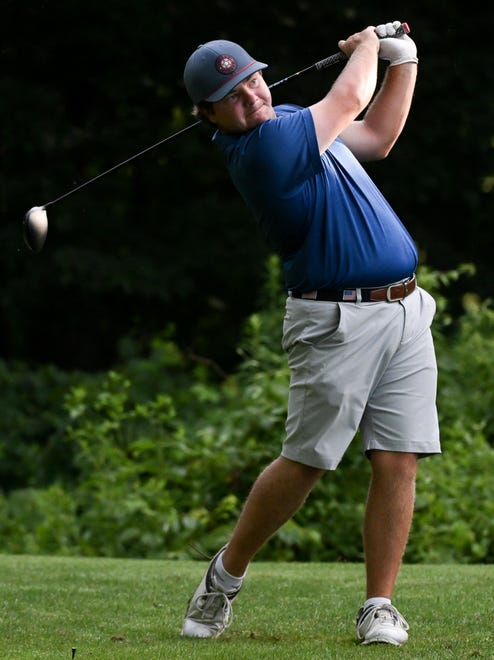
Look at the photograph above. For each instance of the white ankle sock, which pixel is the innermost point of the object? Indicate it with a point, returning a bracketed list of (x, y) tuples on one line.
[(377, 600), (224, 580)]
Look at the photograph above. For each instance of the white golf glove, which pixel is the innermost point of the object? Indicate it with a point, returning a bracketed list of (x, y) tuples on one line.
[(397, 50)]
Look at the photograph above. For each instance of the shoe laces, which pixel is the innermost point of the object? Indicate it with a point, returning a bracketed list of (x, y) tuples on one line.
[(385, 613), (214, 605)]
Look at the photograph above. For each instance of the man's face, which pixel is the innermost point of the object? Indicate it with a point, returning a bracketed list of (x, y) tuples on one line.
[(245, 107)]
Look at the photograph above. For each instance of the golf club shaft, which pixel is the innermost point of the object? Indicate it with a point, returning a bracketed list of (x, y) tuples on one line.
[(333, 59), (317, 66), (119, 165)]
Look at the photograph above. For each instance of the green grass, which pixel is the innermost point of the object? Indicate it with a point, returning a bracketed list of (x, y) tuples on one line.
[(129, 609)]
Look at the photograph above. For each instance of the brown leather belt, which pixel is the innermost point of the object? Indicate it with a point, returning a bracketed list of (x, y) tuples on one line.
[(391, 293)]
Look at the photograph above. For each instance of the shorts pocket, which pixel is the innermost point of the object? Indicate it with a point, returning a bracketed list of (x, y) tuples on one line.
[(310, 322), (420, 309)]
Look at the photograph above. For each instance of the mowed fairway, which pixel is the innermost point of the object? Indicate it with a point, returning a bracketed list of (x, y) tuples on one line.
[(132, 609)]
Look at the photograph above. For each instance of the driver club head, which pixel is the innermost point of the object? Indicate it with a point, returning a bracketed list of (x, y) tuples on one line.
[(35, 228)]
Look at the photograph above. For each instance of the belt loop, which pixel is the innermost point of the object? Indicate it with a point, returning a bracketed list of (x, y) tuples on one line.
[(358, 293)]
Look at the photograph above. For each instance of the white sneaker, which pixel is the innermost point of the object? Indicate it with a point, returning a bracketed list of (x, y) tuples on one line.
[(381, 623), (209, 611)]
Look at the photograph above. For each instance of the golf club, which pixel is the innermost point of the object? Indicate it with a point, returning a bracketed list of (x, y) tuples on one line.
[(35, 225)]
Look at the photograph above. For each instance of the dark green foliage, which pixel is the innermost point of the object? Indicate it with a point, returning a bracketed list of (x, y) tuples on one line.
[(155, 442), (159, 454), (32, 425), (85, 85)]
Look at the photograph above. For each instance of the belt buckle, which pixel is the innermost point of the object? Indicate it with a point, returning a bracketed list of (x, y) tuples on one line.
[(388, 293), (405, 285)]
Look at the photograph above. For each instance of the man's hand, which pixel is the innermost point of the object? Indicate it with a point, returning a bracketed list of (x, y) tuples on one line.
[(367, 37), (397, 50)]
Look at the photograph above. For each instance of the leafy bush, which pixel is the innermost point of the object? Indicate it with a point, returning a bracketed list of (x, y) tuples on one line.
[(454, 512), (38, 521), (159, 454), (32, 425)]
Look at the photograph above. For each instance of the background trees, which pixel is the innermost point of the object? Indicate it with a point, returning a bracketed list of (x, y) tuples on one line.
[(157, 456), (142, 385), (167, 239)]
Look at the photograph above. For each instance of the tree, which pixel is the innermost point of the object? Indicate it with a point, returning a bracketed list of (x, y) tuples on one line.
[(167, 239)]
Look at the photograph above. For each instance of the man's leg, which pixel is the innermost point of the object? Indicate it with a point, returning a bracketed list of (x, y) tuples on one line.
[(278, 493), (387, 524), (388, 518)]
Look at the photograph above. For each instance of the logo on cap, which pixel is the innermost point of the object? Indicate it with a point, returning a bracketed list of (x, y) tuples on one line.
[(225, 64)]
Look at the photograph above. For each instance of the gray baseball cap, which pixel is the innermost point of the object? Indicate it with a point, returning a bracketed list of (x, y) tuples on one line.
[(215, 68)]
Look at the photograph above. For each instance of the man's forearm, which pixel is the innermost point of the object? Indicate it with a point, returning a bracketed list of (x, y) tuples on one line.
[(387, 114)]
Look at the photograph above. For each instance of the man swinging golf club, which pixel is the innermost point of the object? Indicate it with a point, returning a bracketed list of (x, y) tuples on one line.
[(357, 325)]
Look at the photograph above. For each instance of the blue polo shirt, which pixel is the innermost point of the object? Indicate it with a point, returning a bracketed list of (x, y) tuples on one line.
[(322, 214)]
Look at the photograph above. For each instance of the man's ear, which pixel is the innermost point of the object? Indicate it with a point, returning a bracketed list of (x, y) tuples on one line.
[(209, 115)]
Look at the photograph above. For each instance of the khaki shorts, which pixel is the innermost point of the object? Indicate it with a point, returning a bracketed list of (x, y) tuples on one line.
[(360, 365)]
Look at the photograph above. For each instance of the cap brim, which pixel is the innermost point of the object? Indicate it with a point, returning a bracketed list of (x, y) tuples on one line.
[(227, 86)]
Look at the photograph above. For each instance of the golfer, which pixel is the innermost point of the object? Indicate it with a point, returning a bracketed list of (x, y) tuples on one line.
[(357, 325)]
